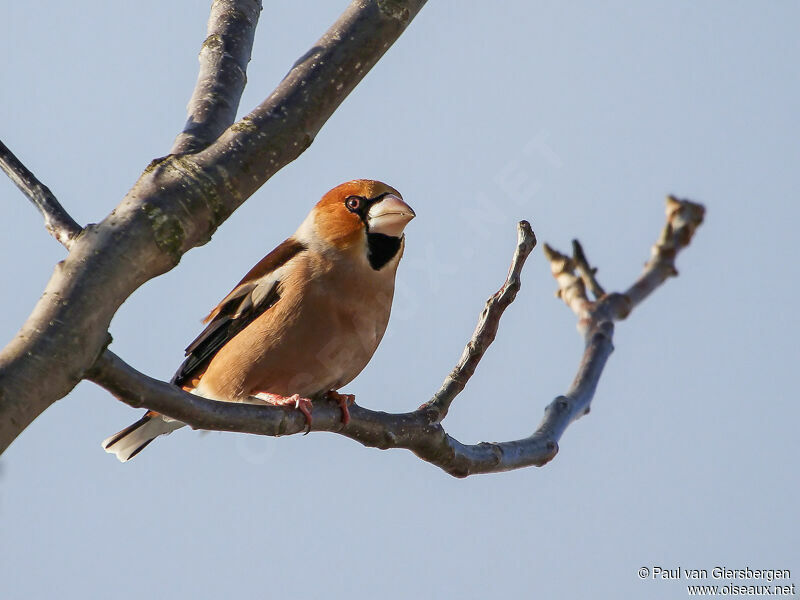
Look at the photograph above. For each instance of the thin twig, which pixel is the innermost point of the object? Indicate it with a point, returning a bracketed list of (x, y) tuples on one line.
[(56, 220), (223, 73), (565, 409), (485, 331), (585, 270), (571, 288), (683, 217)]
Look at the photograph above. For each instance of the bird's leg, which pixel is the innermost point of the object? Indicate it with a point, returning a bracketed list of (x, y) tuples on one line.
[(343, 400), (302, 404)]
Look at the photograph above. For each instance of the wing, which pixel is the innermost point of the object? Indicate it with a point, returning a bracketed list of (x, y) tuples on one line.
[(256, 293)]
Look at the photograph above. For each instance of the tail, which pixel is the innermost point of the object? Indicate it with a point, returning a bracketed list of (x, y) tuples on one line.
[(133, 439)]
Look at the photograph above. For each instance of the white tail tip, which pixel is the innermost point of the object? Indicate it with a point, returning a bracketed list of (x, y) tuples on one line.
[(133, 439)]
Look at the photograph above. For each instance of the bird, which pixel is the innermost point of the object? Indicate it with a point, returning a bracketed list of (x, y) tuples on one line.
[(304, 321)]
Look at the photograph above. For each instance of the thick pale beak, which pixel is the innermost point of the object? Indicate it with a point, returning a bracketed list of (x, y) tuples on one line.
[(389, 216)]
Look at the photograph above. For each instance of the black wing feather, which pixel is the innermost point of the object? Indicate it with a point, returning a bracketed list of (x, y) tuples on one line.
[(219, 332), (240, 308)]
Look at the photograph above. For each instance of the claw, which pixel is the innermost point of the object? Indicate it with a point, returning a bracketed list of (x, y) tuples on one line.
[(304, 405), (343, 400)]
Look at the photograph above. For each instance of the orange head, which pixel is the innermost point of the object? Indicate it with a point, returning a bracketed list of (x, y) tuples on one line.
[(352, 211)]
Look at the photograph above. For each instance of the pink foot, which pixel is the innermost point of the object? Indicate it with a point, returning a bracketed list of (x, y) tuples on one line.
[(343, 400), (302, 404)]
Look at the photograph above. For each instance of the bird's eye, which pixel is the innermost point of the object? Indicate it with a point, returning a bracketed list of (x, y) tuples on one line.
[(353, 202)]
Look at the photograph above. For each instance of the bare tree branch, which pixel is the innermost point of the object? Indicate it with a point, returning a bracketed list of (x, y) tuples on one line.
[(587, 273), (421, 431), (571, 288), (276, 132), (683, 217), (485, 331), (56, 220), (223, 73), (596, 319), (411, 431), (176, 205), (562, 411)]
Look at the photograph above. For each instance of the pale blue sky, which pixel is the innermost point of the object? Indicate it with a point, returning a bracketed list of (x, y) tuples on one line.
[(579, 117)]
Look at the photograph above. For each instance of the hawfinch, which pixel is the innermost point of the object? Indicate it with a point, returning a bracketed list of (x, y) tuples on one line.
[(305, 320)]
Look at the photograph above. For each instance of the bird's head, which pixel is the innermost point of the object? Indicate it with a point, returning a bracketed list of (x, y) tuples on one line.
[(361, 216)]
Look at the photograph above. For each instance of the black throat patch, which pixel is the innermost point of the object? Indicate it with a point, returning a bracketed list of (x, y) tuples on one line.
[(381, 249)]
